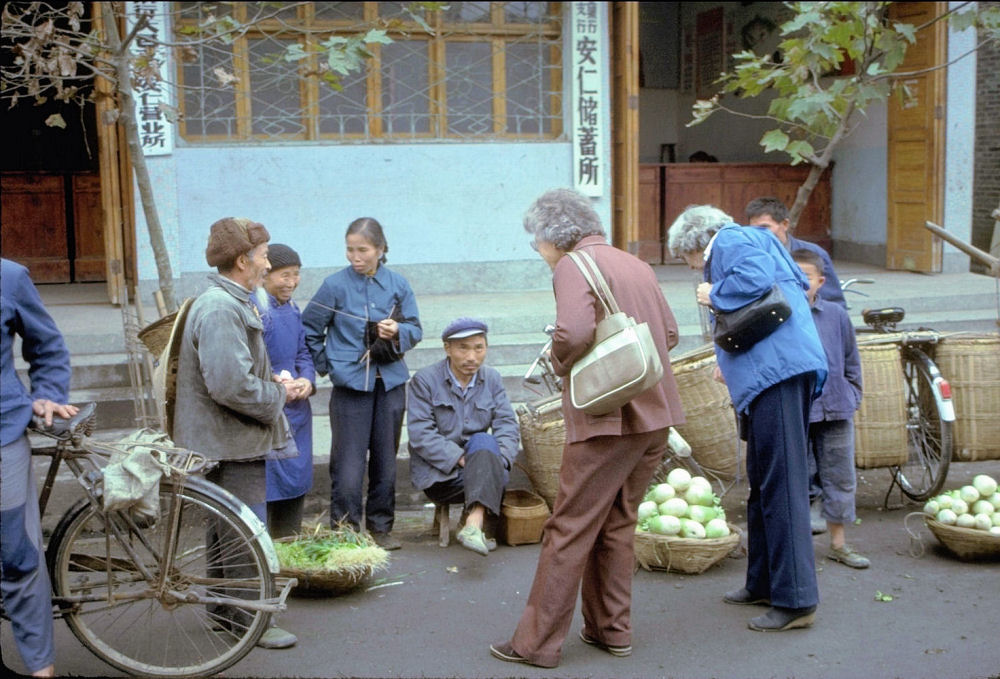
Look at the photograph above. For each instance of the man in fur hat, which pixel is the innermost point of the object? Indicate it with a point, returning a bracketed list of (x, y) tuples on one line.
[(229, 404)]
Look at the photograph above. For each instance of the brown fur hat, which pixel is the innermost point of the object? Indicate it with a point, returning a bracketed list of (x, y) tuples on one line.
[(231, 237)]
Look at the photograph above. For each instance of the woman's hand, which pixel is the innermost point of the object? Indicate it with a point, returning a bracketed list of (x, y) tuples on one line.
[(702, 294), (388, 329)]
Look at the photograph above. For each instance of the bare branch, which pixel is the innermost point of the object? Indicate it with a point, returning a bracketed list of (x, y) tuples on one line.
[(931, 69)]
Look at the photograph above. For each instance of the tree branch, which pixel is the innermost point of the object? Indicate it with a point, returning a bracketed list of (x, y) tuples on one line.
[(931, 69)]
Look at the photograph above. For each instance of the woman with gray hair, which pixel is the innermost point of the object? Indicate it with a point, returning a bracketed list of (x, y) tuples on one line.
[(608, 460), (772, 385)]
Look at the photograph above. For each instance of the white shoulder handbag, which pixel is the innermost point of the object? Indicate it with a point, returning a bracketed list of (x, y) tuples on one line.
[(622, 363)]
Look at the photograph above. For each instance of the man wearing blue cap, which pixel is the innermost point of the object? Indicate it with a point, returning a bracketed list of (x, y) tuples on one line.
[(463, 435)]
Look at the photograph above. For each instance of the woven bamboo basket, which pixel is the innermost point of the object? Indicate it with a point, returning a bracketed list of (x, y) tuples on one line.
[(971, 364), (314, 582), (880, 438), (968, 544), (683, 555), (156, 335), (523, 514), (543, 436), (710, 426)]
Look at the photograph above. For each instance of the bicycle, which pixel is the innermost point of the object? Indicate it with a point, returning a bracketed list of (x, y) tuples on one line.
[(678, 450), (139, 590), (929, 409)]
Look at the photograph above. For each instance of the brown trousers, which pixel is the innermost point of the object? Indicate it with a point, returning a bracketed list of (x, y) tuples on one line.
[(589, 539)]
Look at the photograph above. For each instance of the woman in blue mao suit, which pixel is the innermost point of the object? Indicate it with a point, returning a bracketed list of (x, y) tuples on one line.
[(772, 385), (358, 326)]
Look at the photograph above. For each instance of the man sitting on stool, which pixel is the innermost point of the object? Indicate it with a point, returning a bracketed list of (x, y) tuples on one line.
[(451, 405)]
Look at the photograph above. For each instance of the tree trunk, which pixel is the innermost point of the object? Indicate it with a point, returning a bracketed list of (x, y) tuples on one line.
[(128, 121), (802, 195)]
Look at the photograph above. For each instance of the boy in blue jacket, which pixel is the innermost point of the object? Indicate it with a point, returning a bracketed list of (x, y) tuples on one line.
[(831, 418)]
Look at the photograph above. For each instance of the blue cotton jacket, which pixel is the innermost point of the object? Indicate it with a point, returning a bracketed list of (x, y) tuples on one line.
[(42, 346), (842, 392), (743, 264), (335, 321)]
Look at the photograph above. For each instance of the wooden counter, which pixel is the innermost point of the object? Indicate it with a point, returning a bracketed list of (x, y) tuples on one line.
[(665, 189)]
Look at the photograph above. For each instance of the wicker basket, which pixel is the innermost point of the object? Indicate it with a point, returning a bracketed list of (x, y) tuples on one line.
[(543, 436), (315, 582), (156, 335), (710, 428), (968, 544), (683, 555), (971, 364), (880, 438), (523, 514)]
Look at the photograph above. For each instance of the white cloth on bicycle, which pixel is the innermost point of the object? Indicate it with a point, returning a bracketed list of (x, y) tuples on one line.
[(132, 478)]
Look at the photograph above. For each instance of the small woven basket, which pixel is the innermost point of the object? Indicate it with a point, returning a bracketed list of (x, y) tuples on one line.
[(315, 582), (710, 426), (523, 514), (968, 544), (156, 335), (543, 436), (971, 364), (880, 438), (683, 555)]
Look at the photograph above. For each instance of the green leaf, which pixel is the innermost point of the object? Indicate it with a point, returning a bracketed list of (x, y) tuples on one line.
[(799, 150), (879, 596), (775, 140), (907, 31), (377, 36), (295, 52)]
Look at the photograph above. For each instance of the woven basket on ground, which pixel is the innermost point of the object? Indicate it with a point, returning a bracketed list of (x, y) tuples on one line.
[(683, 555), (523, 514), (968, 544), (880, 438), (710, 426), (971, 364), (332, 581), (543, 435)]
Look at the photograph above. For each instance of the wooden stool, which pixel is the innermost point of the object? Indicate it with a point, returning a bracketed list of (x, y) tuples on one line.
[(442, 523)]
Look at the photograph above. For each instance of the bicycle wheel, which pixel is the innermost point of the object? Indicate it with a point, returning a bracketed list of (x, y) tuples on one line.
[(928, 427), (121, 606)]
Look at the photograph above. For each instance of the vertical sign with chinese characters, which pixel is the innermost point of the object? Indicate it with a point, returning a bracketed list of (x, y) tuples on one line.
[(156, 133), (587, 53)]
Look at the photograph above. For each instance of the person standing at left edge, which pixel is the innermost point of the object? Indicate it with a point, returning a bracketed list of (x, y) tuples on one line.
[(27, 594), (358, 326)]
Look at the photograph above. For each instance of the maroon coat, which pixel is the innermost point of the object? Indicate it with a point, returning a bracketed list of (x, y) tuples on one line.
[(634, 285)]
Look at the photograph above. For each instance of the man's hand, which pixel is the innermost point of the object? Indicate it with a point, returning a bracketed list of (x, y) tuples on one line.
[(45, 409), (717, 375)]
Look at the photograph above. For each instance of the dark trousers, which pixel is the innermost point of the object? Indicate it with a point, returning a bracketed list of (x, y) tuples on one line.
[(364, 425), (781, 564), (283, 518), (226, 560), (588, 545), (482, 480)]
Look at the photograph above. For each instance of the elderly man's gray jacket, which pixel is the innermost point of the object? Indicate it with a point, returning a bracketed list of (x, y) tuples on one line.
[(440, 421), (228, 406)]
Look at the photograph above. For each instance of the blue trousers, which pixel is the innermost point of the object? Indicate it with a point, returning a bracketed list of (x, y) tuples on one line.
[(781, 564), (27, 594), (365, 424)]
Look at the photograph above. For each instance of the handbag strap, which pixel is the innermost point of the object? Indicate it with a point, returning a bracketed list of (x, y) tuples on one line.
[(592, 274)]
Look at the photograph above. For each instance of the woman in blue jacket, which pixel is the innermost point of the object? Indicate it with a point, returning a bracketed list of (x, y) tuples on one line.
[(358, 326), (772, 385)]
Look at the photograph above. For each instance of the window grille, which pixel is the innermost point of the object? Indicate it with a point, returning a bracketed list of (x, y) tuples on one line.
[(486, 71)]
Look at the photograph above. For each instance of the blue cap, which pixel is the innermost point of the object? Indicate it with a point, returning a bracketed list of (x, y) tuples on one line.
[(463, 327)]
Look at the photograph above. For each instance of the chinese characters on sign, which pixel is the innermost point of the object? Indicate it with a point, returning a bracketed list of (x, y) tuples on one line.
[(156, 133), (588, 92)]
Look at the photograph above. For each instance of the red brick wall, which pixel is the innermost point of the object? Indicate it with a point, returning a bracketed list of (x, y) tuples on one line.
[(986, 186)]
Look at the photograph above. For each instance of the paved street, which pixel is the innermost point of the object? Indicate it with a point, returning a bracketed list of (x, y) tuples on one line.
[(434, 612)]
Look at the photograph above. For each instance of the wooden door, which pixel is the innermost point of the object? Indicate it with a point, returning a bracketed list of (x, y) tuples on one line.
[(34, 224), (625, 124), (916, 144), (648, 245)]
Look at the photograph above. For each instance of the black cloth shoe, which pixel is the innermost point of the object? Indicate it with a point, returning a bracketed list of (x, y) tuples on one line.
[(780, 619), (386, 541), (742, 597)]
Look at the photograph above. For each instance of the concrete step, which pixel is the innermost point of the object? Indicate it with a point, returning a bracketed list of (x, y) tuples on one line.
[(91, 371)]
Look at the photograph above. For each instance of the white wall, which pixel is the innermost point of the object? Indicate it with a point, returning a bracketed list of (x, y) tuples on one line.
[(859, 210), (441, 203)]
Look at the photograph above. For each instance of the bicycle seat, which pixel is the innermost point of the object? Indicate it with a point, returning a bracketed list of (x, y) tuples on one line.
[(62, 428), (884, 317)]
